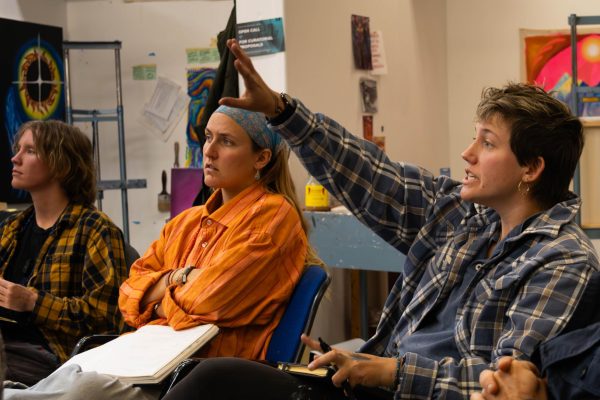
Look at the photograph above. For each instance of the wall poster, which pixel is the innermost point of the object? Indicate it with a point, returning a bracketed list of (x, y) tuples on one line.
[(547, 62), (31, 87), (258, 38), (361, 42)]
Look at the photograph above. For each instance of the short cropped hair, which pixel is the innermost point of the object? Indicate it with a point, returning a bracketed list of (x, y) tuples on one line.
[(68, 154), (541, 126)]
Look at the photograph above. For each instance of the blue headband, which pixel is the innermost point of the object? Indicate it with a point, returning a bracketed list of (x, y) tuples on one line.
[(255, 125)]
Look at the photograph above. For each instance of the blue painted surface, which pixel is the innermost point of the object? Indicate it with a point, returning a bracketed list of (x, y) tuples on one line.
[(343, 242)]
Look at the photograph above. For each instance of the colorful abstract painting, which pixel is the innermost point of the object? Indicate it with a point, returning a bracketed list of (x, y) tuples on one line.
[(31, 87), (199, 82), (548, 64)]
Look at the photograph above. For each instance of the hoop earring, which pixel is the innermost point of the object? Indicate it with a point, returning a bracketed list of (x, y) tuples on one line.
[(523, 191)]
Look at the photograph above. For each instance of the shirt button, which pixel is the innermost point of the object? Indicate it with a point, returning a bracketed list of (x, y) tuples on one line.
[(204, 244), (208, 222)]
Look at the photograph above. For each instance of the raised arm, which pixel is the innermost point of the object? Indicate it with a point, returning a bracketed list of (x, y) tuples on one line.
[(393, 199)]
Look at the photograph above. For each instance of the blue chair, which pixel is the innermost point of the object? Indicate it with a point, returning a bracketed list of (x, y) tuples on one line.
[(297, 319), (299, 316)]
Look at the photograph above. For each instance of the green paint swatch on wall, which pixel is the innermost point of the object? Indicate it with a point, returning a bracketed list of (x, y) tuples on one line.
[(145, 72), (202, 55)]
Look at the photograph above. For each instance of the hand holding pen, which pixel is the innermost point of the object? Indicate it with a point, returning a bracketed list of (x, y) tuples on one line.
[(354, 368), (345, 384)]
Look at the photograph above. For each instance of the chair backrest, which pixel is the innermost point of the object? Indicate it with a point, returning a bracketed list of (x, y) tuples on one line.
[(299, 315), (131, 254)]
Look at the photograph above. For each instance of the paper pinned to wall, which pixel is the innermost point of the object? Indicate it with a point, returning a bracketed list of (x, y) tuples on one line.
[(378, 54), (202, 55), (144, 72), (165, 108)]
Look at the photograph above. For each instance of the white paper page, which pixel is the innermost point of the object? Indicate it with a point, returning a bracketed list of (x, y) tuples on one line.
[(163, 99), (142, 353), (378, 59)]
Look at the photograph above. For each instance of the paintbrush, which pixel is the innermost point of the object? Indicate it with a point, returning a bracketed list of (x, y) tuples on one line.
[(164, 198)]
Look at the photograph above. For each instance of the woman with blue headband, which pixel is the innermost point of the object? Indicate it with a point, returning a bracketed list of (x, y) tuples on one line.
[(248, 241)]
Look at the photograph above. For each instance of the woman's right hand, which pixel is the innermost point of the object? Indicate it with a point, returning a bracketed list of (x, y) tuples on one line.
[(356, 368), (258, 96), (514, 379)]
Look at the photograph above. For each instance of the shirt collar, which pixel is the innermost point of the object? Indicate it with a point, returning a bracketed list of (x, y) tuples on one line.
[(68, 218), (225, 213), (547, 222)]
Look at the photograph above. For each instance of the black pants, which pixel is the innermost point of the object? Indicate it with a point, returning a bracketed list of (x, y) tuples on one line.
[(235, 378), (28, 363)]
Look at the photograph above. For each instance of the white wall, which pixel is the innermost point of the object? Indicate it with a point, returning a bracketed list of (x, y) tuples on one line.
[(412, 97), (47, 12), (164, 29)]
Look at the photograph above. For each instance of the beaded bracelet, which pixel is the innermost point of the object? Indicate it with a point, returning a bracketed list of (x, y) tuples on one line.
[(168, 278)]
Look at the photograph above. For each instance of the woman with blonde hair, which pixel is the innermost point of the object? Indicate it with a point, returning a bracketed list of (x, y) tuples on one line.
[(235, 260)]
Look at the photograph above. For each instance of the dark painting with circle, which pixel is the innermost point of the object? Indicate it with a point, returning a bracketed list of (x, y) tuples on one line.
[(31, 87)]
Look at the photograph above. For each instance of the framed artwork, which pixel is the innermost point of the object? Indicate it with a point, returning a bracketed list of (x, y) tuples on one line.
[(31, 88), (361, 42), (368, 94), (368, 127), (546, 62)]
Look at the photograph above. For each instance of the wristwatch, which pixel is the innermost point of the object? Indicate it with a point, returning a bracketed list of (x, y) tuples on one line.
[(182, 278), (287, 100)]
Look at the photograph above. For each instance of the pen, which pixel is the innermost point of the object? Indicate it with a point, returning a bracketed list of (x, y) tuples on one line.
[(345, 385)]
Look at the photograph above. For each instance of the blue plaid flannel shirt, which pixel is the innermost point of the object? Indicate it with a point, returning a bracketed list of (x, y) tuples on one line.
[(524, 294)]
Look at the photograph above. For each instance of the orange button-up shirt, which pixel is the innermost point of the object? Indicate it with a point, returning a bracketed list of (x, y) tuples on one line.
[(250, 251)]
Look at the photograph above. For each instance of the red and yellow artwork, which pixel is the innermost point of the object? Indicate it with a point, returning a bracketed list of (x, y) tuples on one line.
[(548, 64)]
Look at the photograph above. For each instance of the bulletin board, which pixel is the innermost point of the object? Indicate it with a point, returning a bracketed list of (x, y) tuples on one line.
[(31, 87)]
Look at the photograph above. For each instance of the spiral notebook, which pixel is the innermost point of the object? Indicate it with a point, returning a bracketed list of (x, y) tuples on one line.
[(147, 355)]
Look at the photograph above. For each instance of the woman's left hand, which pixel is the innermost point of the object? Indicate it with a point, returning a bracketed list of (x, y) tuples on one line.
[(358, 368)]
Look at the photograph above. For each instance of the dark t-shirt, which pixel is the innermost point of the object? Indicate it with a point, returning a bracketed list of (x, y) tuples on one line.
[(19, 270), (435, 336), (30, 243)]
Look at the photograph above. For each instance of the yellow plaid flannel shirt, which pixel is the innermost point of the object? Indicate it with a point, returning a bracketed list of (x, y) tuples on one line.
[(77, 275)]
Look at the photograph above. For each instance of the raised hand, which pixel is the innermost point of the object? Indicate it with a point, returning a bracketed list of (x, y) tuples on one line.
[(258, 96)]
